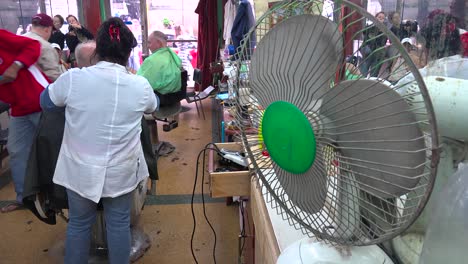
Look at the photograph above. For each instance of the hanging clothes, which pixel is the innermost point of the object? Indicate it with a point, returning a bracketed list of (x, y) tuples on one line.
[(230, 11), (207, 39), (243, 22), (252, 5)]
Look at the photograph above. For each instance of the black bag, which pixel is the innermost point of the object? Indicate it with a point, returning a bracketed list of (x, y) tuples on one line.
[(43, 159), (172, 98)]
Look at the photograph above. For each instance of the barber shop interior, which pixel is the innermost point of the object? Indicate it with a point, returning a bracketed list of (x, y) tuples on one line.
[(233, 131)]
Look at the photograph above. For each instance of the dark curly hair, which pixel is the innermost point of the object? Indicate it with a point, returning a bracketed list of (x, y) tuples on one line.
[(114, 41), (441, 35)]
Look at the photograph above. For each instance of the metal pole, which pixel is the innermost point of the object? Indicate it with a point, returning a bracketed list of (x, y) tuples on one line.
[(50, 5), (1, 22), (21, 13), (402, 10), (81, 17), (42, 7), (144, 27)]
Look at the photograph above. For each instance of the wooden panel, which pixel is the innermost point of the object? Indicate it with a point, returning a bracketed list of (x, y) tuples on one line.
[(228, 184), (248, 254), (266, 245), (263, 162)]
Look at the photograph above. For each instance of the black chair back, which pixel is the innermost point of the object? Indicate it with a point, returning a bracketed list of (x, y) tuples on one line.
[(172, 98)]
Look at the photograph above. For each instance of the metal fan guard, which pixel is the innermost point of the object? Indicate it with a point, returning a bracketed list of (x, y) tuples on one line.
[(354, 216)]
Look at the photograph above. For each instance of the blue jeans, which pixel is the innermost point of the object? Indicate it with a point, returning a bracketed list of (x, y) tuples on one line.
[(21, 134), (82, 214)]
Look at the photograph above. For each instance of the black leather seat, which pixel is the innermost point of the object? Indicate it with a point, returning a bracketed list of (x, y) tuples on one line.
[(173, 98)]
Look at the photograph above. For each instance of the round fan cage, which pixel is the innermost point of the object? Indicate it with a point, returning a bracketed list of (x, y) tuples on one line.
[(375, 137)]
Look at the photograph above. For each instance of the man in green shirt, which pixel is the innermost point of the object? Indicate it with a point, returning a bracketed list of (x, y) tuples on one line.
[(162, 67)]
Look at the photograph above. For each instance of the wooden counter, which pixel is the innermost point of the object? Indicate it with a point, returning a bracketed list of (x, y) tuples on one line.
[(272, 233)]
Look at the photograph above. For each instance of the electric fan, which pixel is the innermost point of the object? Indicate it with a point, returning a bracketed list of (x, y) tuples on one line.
[(346, 159)]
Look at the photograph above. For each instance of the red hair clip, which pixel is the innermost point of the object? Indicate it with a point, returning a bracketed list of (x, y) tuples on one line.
[(114, 33)]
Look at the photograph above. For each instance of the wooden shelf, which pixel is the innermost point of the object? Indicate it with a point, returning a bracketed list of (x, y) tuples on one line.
[(228, 184)]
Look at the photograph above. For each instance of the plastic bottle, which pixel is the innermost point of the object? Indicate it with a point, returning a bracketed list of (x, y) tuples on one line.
[(226, 54), (446, 238)]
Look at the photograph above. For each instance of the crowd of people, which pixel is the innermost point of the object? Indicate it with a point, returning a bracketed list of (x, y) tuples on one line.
[(379, 58), (101, 156)]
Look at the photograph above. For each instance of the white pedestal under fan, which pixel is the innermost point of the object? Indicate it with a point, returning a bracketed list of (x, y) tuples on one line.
[(347, 160)]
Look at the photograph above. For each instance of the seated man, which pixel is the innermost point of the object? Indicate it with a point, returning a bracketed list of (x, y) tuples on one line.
[(84, 54), (162, 68)]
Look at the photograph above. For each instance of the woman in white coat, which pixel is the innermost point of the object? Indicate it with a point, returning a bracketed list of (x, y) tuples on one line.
[(101, 157)]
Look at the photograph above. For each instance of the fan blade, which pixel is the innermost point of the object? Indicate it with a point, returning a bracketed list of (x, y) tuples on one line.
[(296, 61), (376, 131), (307, 190), (347, 204)]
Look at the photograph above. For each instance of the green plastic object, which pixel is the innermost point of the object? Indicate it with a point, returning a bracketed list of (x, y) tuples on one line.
[(288, 137)]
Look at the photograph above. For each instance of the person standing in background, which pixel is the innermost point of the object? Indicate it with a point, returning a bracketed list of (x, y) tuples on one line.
[(41, 30), (372, 48), (20, 87), (183, 46), (76, 35), (57, 35), (394, 19)]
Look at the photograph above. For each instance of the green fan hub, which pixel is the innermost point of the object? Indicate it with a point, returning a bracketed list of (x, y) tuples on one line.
[(288, 137)]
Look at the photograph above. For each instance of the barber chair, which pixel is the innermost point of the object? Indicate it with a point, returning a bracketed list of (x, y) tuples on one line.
[(169, 109), (140, 240)]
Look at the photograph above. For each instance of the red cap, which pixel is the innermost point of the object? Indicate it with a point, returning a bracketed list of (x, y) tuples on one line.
[(42, 20)]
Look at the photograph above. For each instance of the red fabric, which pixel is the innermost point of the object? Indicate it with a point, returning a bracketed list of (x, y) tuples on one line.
[(194, 54), (23, 93), (207, 39), (464, 40), (351, 27)]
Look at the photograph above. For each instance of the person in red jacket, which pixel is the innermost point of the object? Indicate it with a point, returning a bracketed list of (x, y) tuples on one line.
[(21, 84)]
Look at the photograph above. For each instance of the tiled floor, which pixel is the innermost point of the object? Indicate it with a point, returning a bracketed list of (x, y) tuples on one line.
[(166, 218)]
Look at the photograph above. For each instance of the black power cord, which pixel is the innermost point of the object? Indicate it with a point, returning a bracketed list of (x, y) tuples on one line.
[(203, 151), (243, 236), (246, 229)]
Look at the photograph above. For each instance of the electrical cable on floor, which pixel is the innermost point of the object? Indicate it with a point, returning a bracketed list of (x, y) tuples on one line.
[(246, 229), (203, 151), (204, 208), (243, 236)]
